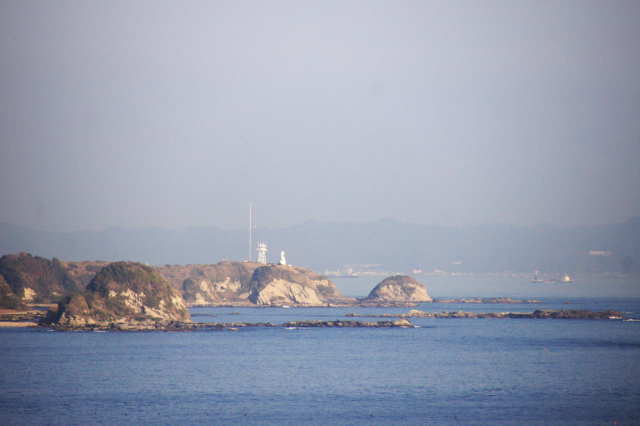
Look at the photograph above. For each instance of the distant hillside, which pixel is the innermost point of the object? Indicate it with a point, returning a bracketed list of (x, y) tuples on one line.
[(319, 246)]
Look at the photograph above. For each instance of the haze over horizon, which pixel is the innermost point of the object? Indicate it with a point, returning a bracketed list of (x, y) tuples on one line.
[(172, 115)]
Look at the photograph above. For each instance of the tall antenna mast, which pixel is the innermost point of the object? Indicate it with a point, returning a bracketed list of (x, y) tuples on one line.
[(250, 232)]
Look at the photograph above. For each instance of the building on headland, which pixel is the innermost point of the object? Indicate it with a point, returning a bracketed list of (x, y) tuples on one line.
[(262, 253), (283, 260)]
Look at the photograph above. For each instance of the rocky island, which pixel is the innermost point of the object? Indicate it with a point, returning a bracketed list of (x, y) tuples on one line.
[(398, 288), (27, 279), (122, 296), (132, 296), (128, 296)]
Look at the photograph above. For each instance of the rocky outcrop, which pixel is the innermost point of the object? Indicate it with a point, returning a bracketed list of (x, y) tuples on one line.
[(399, 288), (250, 284), (490, 300), (124, 293), (541, 314), (34, 279), (349, 323), (8, 299), (278, 285), (224, 283)]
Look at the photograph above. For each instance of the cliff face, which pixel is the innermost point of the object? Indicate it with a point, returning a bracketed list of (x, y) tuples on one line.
[(279, 285), (38, 280), (250, 284), (122, 292), (400, 288), (206, 285)]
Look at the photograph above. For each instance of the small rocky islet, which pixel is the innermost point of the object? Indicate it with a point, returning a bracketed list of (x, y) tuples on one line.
[(129, 296)]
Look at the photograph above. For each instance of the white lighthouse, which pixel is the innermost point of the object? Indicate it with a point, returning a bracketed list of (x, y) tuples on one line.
[(283, 260)]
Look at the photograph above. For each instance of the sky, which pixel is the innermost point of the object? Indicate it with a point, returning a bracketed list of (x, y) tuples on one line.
[(178, 114)]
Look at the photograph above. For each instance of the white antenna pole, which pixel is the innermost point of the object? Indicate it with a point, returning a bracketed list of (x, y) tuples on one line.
[(250, 232)]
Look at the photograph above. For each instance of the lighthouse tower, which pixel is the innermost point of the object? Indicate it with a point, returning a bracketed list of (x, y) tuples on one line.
[(262, 253), (283, 260)]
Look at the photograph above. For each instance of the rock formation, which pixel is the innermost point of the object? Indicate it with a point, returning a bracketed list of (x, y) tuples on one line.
[(122, 293), (402, 322), (541, 314), (225, 283), (278, 285), (250, 284), (399, 288), (34, 279), (491, 300), (8, 299)]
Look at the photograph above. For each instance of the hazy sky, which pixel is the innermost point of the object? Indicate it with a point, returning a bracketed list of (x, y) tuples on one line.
[(178, 114)]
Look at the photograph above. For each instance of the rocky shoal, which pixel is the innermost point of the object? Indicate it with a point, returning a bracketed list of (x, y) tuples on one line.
[(494, 300), (401, 322), (22, 316), (193, 326), (540, 314), (364, 303)]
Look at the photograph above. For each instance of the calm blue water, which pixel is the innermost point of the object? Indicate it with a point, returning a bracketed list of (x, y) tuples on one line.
[(499, 372)]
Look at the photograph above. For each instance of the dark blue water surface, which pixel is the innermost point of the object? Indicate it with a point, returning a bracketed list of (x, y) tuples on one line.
[(448, 371)]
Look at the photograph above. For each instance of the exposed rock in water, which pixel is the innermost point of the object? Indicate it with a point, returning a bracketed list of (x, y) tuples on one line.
[(349, 323), (399, 288), (543, 314), (122, 293), (496, 300), (278, 285), (21, 316)]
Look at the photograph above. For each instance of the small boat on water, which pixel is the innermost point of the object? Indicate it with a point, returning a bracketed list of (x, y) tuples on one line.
[(536, 279), (564, 279)]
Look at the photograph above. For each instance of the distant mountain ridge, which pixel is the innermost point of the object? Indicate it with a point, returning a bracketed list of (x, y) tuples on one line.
[(490, 248)]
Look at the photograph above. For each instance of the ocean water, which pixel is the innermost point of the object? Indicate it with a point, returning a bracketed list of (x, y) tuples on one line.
[(447, 371)]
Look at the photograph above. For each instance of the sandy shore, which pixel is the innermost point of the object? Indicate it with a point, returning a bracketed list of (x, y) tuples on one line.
[(17, 324)]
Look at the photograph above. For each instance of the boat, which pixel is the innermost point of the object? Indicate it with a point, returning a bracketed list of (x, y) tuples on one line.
[(536, 279), (563, 280)]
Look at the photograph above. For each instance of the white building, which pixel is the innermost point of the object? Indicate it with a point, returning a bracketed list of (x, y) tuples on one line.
[(262, 253)]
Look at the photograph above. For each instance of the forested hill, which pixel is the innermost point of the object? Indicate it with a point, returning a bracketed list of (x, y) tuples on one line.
[(395, 246)]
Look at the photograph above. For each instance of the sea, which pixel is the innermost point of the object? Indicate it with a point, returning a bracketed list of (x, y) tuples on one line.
[(444, 372)]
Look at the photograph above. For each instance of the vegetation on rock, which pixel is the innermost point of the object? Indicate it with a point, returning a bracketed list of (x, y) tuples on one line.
[(8, 299), (35, 279), (283, 285), (122, 292), (250, 283), (221, 283), (399, 288)]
